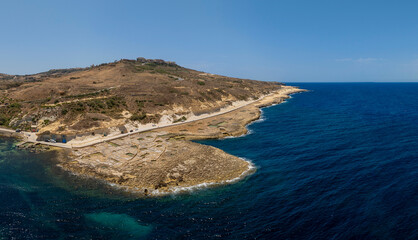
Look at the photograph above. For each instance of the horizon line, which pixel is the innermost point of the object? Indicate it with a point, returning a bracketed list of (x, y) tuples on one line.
[(414, 81)]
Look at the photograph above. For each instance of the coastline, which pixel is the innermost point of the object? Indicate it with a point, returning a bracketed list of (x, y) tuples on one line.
[(164, 161), (177, 190), (261, 117)]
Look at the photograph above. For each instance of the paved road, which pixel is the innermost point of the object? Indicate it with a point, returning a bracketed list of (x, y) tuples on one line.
[(7, 130), (31, 137), (109, 138)]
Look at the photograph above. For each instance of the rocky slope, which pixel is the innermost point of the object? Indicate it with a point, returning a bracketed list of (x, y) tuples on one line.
[(69, 101)]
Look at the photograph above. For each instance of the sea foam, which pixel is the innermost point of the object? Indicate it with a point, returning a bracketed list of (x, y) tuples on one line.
[(177, 190)]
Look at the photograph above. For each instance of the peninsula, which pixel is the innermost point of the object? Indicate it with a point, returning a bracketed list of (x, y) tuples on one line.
[(130, 122)]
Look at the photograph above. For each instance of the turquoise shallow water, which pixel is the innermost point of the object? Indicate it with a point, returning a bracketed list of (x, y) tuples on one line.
[(339, 162)]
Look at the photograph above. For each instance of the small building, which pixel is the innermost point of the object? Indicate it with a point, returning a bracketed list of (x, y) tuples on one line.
[(33, 128), (123, 129)]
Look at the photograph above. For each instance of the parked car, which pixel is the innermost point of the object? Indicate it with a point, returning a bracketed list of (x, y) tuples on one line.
[(18, 130)]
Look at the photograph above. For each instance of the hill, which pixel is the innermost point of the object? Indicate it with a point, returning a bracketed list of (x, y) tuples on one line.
[(77, 100)]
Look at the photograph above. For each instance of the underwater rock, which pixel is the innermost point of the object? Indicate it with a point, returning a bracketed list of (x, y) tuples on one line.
[(121, 223)]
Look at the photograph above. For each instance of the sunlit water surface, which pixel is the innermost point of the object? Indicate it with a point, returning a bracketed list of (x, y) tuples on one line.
[(339, 162)]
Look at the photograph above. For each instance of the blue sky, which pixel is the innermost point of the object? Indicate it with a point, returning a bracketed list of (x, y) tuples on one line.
[(289, 40)]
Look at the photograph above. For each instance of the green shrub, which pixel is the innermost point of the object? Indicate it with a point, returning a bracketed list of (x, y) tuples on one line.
[(4, 120), (138, 117), (182, 119), (140, 104), (15, 105)]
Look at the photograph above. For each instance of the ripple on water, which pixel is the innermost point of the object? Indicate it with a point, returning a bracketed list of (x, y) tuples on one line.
[(335, 163)]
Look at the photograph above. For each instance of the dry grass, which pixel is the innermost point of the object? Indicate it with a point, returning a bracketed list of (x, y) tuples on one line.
[(143, 89)]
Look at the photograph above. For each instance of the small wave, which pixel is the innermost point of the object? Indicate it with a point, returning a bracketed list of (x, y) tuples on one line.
[(262, 118), (177, 190), (275, 104), (249, 131)]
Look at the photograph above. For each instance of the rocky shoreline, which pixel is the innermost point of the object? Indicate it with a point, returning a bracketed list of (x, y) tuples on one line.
[(165, 161), (35, 147)]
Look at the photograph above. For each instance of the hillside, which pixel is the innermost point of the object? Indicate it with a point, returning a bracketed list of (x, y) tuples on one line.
[(70, 101)]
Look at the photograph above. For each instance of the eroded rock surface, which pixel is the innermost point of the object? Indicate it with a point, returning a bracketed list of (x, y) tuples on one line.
[(164, 160), (155, 161)]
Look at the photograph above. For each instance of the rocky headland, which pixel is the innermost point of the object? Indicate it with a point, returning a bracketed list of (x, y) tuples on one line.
[(131, 123), (164, 161)]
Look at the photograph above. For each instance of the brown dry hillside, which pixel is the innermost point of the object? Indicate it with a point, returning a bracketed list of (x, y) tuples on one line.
[(142, 90)]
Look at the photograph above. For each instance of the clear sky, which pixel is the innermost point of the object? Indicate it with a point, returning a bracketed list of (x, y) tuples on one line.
[(282, 40)]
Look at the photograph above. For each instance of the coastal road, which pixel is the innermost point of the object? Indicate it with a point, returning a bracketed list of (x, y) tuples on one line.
[(31, 137), (5, 130)]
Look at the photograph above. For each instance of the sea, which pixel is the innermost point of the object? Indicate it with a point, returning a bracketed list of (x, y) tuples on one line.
[(337, 162)]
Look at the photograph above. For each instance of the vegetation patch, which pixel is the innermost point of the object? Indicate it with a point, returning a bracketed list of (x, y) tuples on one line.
[(113, 144), (138, 117), (95, 155), (92, 94), (182, 119), (215, 124)]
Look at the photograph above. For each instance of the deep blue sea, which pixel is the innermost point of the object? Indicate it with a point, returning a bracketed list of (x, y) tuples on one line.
[(338, 162)]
